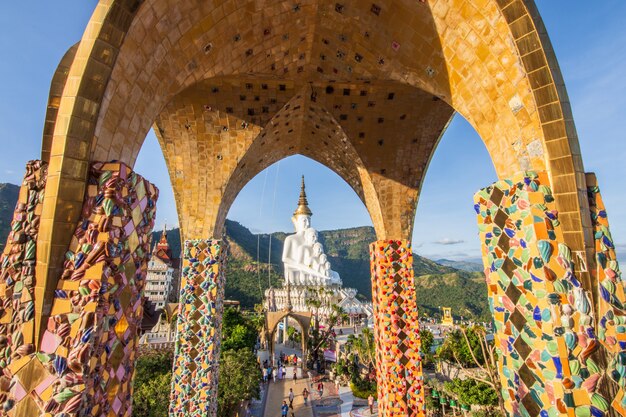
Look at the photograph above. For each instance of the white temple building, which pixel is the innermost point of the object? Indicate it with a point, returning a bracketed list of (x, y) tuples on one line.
[(308, 273)]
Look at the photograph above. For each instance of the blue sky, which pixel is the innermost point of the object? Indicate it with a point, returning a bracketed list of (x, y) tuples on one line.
[(589, 39)]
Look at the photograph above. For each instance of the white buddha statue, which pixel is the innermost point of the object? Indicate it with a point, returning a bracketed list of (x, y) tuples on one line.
[(304, 260)]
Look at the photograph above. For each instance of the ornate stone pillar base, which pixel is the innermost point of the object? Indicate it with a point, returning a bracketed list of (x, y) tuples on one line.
[(86, 358), (196, 359), (396, 330), (551, 361)]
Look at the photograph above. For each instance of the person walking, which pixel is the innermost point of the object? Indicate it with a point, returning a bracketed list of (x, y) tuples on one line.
[(320, 388), (295, 374), (370, 402), (274, 374), (284, 409), (291, 398), (305, 395)]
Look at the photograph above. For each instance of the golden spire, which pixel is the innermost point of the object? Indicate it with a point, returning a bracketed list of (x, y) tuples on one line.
[(303, 204)]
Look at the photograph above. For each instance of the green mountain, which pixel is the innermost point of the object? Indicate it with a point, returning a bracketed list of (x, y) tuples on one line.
[(469, 266), (250, 273), (9, 194)]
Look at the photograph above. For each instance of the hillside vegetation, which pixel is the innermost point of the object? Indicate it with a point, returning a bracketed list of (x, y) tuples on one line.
[(8, 198)]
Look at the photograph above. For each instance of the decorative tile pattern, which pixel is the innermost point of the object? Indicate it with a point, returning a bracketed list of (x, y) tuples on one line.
[(547, 346), (196, 358), (86, 358), (611, 296), (396, 329), (17, 280)]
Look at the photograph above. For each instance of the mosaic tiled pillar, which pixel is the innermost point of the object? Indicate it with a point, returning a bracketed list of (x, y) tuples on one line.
[(396, 329), (612, 298), (17, 280), (544, 325), (86, 358), (196, 359)]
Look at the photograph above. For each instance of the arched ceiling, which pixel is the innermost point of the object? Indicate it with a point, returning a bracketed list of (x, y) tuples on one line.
[(219, 133)]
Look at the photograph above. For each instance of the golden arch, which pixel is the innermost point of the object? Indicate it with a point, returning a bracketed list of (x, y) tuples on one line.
[(272, 318), (143, 64)]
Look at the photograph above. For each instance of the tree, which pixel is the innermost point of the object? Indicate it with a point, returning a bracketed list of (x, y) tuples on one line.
[(318, 338), (363, 346), (151, 398), (152, 382), (462, 346), (471, 391), (427, 340), (239, 376), (237, 331), (473, 342)]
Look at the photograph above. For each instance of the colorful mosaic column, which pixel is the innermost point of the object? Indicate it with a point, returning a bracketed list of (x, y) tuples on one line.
[(550, 362), (17, 281), (196, 359), (396, 329), (86, 360), (612, 298)]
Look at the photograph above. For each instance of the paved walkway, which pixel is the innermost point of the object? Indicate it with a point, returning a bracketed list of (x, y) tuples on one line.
[(279, 391)]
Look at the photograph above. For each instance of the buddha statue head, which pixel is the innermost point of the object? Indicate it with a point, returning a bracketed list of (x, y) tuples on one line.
[(318, 249), (310, 236)]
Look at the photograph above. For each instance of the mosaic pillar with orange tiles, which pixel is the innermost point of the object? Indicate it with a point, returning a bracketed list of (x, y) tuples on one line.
[(85, 361), (396, 329), (548, 337)]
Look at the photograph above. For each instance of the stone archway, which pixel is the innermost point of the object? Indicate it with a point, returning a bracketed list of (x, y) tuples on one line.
[(272, 318), (365, 89)]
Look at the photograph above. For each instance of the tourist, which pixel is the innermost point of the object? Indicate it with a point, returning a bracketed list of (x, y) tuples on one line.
[(291, 398), (305, 395), (295, 374), (284, 409), (370, 402), (310, 374), (274, 374), (264, 376), (320, 388)]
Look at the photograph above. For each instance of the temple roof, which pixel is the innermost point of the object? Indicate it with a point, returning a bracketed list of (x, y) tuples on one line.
[(303, 204)]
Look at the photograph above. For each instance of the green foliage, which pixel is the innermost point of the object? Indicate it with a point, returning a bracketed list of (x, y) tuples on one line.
[(464, 292), (9, 194), (152, 381), (151, 398), (363, 346), (239, 376), (238, 331), (427, 340), (455, 348), (362, 388), (472, 392)]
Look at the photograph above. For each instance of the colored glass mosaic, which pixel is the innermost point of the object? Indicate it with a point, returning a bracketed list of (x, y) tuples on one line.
[(86, 358), (396, 330), (611, 296), (17, 281), (544, 326), (196, 358)]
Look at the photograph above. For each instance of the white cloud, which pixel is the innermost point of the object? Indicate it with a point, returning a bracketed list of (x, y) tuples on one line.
[(448, 241)]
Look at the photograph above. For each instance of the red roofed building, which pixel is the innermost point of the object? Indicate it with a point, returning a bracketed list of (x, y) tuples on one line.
[(162, 274)]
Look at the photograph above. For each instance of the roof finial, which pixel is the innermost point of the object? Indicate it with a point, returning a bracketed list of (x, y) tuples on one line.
[(303, 204)]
